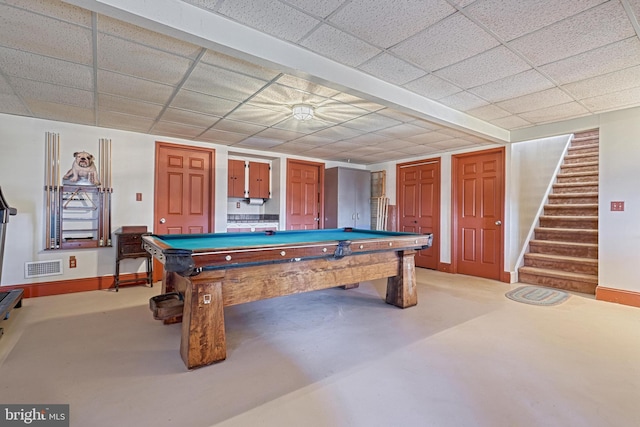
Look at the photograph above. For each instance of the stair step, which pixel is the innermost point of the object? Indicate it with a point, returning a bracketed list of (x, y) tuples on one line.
[(566, 235), (575, 249), (586, 177), (580, 167), (586, 148), (572, 159), (562, 263), (573, 209), (577, 282), (580, 222), (575, 187), (573, 198), (585, 138)]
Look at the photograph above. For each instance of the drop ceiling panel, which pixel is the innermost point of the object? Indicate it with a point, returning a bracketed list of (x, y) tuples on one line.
[(128, 106), (339, 46), (307, 86), (520, 84), (321, 9), (23, 30), (488, 112), (275, 18), (257, 115), (279, 134), (510, 19), (535, 101), (50, 70), (603, 60), (588, 30), (201, 103), (189, 118), (306, 127), (132, 87), (41, 91), (222, 137), (142, 61), (392, 69), (389, 22), (511, 122), (238, 65), (371, 122), (148, 38), (338, 132), (61, 112), (124, 121), (432, 87), (608, 83), (402, 131), (486, 67), (11, 104), (258, 143), (276, 95), (463, 101), (238, 127), (219, 82), (360, 103), (368, 139), (614, 101), (447, 42), (178, 129), (566, 111)]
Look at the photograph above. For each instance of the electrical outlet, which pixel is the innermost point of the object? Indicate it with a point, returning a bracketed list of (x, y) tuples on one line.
[(617, 206), (72, 262), (237, 205), (138, 197)]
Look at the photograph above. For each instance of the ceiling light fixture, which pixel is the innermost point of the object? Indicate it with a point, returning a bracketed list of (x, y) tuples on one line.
[(303, 112)]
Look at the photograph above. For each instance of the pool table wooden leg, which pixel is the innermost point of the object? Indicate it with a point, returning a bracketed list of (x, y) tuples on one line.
[(203, 340), (401, 289)]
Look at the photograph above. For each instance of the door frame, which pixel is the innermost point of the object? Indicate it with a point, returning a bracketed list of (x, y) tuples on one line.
[(321, 167), (502, 275)]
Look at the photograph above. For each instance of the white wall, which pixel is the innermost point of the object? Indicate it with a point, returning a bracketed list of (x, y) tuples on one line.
[(533, 166), (619, 232)]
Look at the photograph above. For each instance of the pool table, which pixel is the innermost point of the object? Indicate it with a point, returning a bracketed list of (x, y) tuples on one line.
[(213, 271)]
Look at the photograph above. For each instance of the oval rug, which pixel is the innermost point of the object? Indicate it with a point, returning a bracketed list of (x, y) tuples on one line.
[(537, 295)]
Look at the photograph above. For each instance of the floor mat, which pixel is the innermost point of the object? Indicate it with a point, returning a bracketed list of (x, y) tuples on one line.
[(537, 295)]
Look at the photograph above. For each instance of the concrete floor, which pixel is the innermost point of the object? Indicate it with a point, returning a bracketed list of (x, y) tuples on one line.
[(465, 356)]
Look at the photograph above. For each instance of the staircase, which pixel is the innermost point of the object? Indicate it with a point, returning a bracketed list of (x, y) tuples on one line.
[(564, 251)]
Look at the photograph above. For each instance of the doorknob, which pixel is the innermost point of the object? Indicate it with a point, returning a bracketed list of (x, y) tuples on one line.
[(498, 222), (162, 220)]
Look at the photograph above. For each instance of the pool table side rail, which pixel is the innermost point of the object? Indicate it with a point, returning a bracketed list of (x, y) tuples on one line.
[(185, 261)]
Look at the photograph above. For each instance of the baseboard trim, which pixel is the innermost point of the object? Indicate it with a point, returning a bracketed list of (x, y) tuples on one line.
[(619, 296), (75, 285)]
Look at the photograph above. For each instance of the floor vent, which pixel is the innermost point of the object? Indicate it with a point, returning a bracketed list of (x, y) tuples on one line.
[(42, 268)]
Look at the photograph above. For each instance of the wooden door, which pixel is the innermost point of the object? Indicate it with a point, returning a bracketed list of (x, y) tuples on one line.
[(478, 213), (184, 199), (419, 205), (305, 195)]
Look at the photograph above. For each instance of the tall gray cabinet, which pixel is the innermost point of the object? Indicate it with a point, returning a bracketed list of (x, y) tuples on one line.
[(347, 194)]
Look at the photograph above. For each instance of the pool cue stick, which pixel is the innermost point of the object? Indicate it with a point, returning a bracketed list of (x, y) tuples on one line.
[(47, 225)]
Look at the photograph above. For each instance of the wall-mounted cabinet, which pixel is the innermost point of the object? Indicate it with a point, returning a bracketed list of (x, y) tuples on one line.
[(259, 178), (249, 179), (237, 182)]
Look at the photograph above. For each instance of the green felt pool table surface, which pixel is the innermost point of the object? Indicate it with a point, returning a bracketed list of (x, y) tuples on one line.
[(196, 242)]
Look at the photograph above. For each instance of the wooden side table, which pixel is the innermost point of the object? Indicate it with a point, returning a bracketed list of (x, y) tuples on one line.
[(130, 246)]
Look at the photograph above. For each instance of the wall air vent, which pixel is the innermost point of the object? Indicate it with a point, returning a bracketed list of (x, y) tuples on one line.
[(42, 268)]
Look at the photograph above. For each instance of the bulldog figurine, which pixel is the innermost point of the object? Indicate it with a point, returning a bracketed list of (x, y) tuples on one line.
[(83, 167)]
